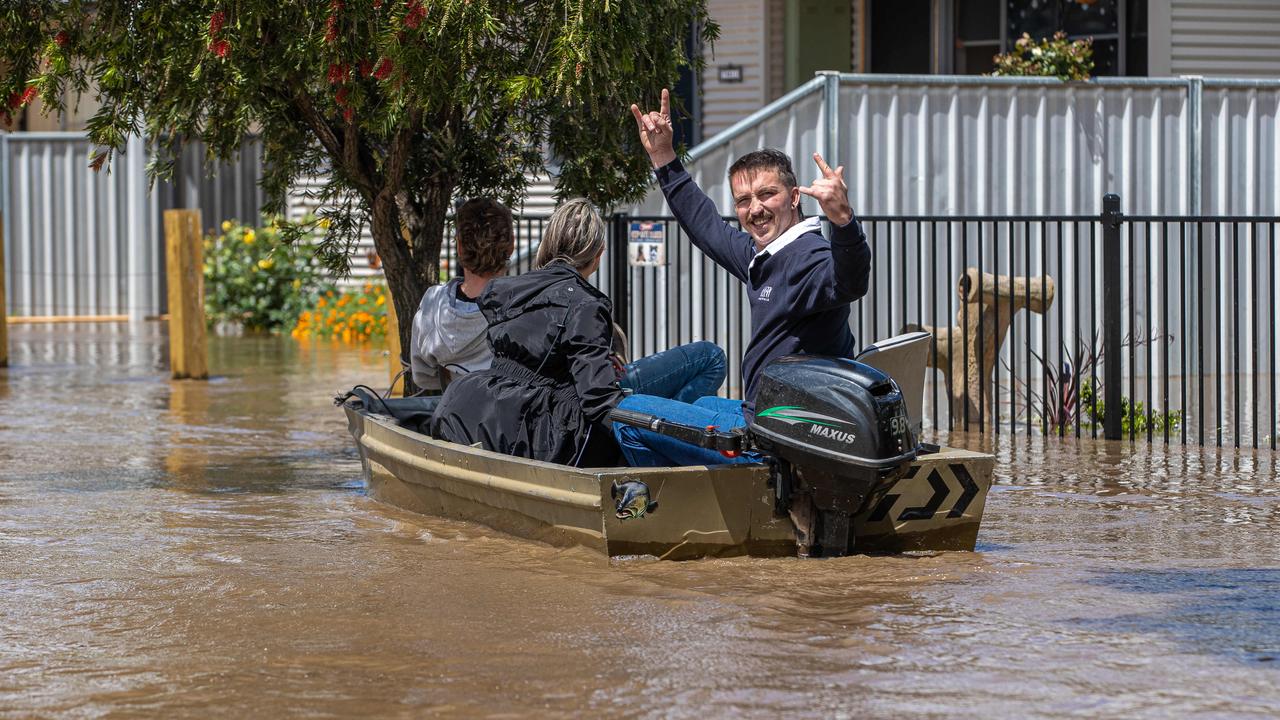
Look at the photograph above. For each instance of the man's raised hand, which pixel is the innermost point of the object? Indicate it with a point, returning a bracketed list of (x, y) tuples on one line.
[(655, 132), (830, 192)]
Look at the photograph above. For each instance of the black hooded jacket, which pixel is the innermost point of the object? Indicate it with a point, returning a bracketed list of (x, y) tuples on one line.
[(551, 383)]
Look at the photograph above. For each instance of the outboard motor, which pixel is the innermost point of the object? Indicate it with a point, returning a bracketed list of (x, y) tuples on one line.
[(839, 433), (836, 432)]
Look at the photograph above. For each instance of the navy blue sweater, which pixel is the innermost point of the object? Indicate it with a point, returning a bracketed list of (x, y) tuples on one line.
[(799, 297)]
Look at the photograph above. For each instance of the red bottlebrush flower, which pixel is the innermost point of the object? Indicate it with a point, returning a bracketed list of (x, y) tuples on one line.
[(348, 115), (416, 13), (342, 97), (220, 48), (28, 95), (383, 71), (98, 161), (335, 5), (366, 67), (331, 28), (62, 38), (338, 72), (377, 4), (15, 101), (216, 21)]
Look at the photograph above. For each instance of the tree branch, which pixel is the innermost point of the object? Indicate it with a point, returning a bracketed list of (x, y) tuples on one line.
[(398, 153), (344, 150)]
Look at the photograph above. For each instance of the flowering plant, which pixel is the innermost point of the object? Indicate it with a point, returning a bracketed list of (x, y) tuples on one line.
[(1048, 57), (352, 316), (252, 278)]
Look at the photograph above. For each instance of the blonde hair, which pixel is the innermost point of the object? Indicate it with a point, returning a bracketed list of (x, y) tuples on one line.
[(574, 235)]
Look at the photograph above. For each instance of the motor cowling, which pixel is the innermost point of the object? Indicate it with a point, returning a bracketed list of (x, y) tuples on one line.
[(841, 432)]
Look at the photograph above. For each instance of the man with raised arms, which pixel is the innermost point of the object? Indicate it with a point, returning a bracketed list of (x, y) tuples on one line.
[(799, 283)]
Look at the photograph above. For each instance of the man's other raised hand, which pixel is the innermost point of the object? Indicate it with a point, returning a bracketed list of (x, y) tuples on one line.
[(830, 192), (655, 131)]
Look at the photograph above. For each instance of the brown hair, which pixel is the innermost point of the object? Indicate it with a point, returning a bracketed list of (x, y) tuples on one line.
[(486, 237), (767, 159), (574, 235)]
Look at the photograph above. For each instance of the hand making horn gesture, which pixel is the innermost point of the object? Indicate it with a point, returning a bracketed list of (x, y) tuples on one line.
[(830, 192), (655, 132)]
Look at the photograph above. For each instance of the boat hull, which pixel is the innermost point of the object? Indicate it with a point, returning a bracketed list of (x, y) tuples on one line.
[(701, 511)]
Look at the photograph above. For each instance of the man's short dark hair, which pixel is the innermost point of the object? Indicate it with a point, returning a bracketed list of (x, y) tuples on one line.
[(486, 236), (767, 159)]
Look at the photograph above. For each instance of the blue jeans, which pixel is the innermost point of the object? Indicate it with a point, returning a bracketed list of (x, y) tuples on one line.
[(684, 373), (644, 448)]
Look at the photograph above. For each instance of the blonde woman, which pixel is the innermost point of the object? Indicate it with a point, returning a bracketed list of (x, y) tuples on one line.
[(551, 383)]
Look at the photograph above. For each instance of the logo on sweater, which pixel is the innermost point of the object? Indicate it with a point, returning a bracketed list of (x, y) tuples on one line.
[(765, 292)]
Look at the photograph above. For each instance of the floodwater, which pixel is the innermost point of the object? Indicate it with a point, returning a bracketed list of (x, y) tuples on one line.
[(188, 549)]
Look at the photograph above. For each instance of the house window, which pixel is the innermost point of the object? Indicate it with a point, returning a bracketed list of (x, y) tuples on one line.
[(978, 35), (1118, 29), (900, 36), (984, 27)]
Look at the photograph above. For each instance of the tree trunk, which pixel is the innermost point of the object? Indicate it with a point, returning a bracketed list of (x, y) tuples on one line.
[(408, 233)]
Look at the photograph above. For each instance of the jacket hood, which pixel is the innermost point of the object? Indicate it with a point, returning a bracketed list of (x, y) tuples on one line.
[(510, 297)]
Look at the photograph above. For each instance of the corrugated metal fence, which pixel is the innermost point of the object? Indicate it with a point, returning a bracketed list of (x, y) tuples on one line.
[(79, 242)]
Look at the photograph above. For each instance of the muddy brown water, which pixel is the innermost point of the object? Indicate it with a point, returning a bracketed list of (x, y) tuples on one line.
[(205, 549)]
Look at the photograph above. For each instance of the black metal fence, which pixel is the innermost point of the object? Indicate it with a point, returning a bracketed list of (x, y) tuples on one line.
[(1179, 310)]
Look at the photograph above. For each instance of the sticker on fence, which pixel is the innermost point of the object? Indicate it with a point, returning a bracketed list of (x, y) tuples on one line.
[(646, 243)]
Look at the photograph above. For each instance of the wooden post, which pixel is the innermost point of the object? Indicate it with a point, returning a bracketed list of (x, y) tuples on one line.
[(188, 352), (4, 313), (393, 347)]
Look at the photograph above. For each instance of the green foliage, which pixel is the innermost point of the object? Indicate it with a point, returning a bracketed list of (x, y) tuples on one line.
[(1134, 416), (1048, 57), (407, 103), (252, 278)]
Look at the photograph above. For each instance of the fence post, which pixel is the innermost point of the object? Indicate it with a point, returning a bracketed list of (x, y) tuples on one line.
[(393, 349), (4, 314), (618, 272), (188, 352), (1111, 314)]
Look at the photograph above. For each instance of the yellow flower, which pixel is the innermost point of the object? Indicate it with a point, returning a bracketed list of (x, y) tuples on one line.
[(381, 301), (249, 237), (297, 283), (266, 263), (226, 226), (324, 223)]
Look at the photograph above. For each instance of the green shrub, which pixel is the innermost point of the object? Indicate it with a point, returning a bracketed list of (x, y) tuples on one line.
[(1048, 57), (1134, 416), (252, 278)]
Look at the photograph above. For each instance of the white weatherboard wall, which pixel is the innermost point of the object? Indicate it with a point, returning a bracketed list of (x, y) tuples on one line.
[(1229, 38), (742, 41), (539, 202)]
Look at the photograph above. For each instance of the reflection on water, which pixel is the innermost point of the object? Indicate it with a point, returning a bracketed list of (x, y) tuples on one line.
[(181, 548)]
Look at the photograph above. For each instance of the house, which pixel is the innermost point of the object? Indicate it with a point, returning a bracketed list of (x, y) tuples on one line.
[(768, 47)]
